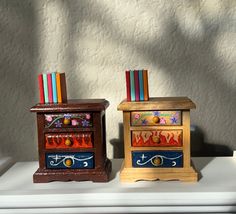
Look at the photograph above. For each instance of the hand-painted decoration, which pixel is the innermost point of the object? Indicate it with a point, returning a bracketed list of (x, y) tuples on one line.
[(70, 160), (68, 140), (79, 120), (157, 159), (152, 118), (157, 138)]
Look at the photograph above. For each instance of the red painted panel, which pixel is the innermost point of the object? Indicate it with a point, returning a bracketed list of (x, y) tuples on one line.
[(72, 140), (157, 138)]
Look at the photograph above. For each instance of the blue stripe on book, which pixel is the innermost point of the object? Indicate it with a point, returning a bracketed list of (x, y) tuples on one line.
[(132, 86), (54, 87), (141, 90)]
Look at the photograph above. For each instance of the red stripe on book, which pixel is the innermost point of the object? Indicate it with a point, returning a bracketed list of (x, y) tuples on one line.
[(41, 91), (50, 99), (127, 75)]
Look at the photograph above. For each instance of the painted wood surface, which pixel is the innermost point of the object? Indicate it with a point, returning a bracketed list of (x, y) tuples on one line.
[(68, 140), (65, 160), (152, 118), (68, 120), (157, 138), (166, 159)]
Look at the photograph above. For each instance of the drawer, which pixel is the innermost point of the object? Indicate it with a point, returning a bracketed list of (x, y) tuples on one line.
[(70, 160), (68, 140), (157, 138), (161, 159), (153, 118), (75, 120)]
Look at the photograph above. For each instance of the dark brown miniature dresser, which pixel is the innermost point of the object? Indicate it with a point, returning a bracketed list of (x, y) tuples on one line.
[(72, 141)]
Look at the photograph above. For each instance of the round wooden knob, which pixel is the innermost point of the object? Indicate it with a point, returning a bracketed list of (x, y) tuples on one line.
[(155, 119), (68, 162), (66, 121), (155, 139), (157, 161), (68, 142)]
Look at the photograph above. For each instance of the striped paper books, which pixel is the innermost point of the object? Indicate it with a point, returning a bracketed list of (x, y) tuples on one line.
[(52, 88), (137, 85)]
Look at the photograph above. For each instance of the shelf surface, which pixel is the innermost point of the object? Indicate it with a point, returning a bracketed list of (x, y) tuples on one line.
[(215, 192)]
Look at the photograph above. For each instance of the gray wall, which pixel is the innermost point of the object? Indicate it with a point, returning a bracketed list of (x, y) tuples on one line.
[(187, 46)]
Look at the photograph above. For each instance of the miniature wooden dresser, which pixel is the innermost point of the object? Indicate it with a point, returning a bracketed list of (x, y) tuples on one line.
[(72, 141), (157, 140)]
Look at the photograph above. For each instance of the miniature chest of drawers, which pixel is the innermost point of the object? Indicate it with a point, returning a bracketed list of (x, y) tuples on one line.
[(157, 140), (72, 141)]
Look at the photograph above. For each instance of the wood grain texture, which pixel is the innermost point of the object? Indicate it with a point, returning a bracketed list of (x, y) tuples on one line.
[(75, 105), (158, 103)]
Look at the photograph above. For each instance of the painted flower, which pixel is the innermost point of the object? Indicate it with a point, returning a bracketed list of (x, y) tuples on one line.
[(58, 124), (85, 123), (144, 122), (48, 118), (156, 113), (162, 120), (136, 116), (67, 116), (87, 116), (173, 120), (74, 122)]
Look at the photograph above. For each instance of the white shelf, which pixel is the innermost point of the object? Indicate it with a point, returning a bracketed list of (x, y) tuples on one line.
[(215, 192)]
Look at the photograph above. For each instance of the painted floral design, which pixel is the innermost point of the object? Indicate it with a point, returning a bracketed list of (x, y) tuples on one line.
[(48, 118), (67, 116), (173, 120), (74, 122), (162, 120), (144, 122), (58, 124), (87, 116), (156, 113), (85, 123), (136, 116)]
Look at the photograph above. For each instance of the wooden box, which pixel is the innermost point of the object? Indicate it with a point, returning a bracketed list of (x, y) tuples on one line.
[(157, 140), (72, 141)]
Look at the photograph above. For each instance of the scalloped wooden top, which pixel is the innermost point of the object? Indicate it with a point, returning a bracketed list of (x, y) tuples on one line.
[(160, 103)]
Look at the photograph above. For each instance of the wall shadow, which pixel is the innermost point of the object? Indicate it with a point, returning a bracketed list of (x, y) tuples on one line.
[(118, 144), (200, 148), (19, 48)]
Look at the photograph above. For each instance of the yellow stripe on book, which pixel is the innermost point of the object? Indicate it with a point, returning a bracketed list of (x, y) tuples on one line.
[(58, 79)]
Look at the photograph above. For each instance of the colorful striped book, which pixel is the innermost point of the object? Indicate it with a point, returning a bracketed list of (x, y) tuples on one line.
[(50, 88), (54, 87), (132, 86), (141, 90), (136, 82), (45, 88), (127, 75), (41, 91)]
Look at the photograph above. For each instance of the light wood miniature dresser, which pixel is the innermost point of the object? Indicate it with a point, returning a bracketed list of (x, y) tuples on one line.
[(72, 141), (157, 140)]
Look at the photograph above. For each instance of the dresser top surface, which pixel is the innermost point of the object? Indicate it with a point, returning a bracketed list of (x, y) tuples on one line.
[(72, 105), (158, 103)]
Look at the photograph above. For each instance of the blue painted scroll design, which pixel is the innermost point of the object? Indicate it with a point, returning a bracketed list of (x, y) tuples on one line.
[(152, 159), (82, 160)]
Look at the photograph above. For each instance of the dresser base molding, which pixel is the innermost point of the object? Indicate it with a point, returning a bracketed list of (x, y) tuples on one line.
[(95, 175), (152, 174)]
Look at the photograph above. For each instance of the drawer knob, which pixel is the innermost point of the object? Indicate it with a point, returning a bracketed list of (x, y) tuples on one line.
[(68, 142), (68, 162), (155, 119), (155, 139), (157, 161), (66, 121)]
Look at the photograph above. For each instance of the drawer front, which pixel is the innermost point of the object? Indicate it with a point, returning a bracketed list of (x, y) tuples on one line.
[(160, 159), (69, 140), (153, 118), (79, 160), (75, 120), (157, 138)]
